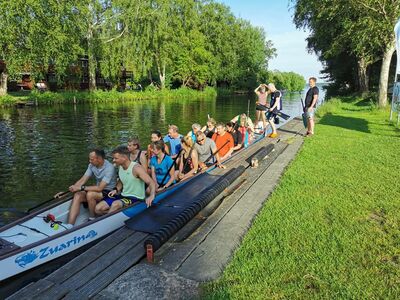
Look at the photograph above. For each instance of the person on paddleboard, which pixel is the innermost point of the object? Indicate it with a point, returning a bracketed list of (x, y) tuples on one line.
[(310, 104)]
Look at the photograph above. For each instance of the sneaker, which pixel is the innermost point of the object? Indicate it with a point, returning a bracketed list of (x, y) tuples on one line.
[(68, 226), (273, 135)]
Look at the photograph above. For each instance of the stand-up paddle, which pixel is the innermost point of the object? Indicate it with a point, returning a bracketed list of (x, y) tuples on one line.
[(278, 113), (304, 114)]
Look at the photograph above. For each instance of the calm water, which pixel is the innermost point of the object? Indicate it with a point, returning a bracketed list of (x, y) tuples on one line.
[(43, 150)]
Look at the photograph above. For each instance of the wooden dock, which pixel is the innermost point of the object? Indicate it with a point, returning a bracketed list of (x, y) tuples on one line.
[(91, 272)]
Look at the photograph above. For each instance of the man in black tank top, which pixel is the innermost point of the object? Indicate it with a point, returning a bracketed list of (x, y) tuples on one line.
[(310, 104)]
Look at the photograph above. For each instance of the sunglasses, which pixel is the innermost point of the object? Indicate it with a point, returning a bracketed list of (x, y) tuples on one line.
[(199, 141)]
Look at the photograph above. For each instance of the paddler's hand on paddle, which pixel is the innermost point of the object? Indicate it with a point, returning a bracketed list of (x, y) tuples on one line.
[(149, 200), (74, 188), (221, 166), (112, 193), (161, 188), (58, 195)]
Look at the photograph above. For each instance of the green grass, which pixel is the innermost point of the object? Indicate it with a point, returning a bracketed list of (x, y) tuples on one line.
[(331, 229), (100, 96)]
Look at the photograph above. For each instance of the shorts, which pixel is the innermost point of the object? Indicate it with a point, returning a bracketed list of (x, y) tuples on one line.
[(271, 114), (309, 114), (105, 193), (261, 107), (126, 200)]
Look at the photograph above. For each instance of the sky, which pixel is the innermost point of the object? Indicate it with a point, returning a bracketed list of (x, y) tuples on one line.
[(275, 16)]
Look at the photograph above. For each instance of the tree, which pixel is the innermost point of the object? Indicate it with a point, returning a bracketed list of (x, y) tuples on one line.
[(38, 36)]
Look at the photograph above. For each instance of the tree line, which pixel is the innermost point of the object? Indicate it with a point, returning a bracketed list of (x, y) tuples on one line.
[(353, 38), (171, 42)]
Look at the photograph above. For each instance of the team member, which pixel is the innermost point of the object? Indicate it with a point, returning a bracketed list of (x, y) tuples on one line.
[(237, 136), (136, 154), (162, 169), (310, 104), (261, 104), (155, 136), (131, 185), (275, 106), (174, 140), (209, 129), (104, 173), (247, 121), (224, 142), (207, 151), (195, 127), (189, 161)]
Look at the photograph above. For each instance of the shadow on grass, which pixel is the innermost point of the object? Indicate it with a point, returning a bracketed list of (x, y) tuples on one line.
[(356, 124)]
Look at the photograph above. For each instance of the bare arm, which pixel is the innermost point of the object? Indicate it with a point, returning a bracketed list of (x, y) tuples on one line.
[(143, 160), (315, 99), (195, 161), (153, 176), (141, 173), (171, 178), (77, 185)]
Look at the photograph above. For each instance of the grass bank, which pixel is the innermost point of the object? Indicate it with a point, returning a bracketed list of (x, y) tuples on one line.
[(331, 229), (103, 96)]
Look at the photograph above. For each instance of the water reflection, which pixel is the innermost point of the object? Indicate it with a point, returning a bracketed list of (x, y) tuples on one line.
[(44, 149)]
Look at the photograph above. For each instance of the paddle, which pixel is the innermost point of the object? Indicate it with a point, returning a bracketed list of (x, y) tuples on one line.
[(278, 113), (303, 115), (169, 170), (59, 195), (213, 154)]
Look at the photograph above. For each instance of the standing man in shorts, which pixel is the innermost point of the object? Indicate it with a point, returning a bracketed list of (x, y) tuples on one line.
[(274, 107), (310, 104), (131, 185), (104, 173)]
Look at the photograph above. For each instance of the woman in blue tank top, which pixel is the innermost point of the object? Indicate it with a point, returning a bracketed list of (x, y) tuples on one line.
[(162, 169)]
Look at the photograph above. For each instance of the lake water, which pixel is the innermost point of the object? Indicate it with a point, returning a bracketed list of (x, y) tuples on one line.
[(44, 149)]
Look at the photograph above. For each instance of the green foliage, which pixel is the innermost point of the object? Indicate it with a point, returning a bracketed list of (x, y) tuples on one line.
[(167, 41), (289, 81), (331, 228), (106, 96), (348, 37)]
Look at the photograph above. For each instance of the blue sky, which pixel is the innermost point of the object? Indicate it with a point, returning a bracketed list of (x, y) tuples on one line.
[(275, 16)]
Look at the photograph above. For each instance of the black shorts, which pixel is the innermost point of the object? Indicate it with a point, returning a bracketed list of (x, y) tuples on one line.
[(261, 107)]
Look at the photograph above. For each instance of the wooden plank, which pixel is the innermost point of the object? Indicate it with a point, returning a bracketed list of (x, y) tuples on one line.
[(32, 290), (87, 273), (75, 265), (57, 291), (75, 295), (103, 279)]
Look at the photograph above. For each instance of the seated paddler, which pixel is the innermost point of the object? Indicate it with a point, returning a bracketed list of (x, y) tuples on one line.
[(104, 173), (130, 188)]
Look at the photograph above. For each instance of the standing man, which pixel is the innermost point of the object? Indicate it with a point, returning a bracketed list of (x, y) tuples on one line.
[(310, 104), (106, 180), (131, 185), (275, 105), (174, 140)]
